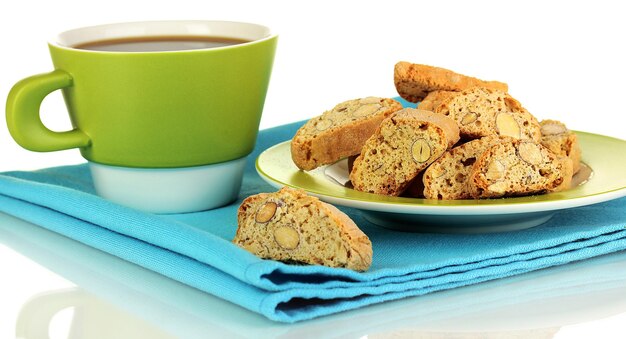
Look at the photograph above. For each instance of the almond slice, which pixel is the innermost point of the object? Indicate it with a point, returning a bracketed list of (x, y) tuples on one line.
[(507, 126), (421, 150), (266, 212), (287, 237)]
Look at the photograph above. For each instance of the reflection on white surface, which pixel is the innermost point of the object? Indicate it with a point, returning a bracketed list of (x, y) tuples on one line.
[(118, 298), (89, 317)]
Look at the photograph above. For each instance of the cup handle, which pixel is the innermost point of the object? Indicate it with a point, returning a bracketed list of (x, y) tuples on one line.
[(23, 118)]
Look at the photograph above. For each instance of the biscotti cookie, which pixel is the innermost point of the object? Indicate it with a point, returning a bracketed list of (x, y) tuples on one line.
[(339, 132), (568, 174), (447, 177), (561, 141), (434, 99), (291, 226), (404, 144), (482, 111), (414, 81), (515, 168)]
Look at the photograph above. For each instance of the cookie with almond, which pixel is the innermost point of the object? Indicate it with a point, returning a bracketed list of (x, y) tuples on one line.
[(481, 111), (447, 177), (404, 144), (340, 132), (293, 227), (516, 168)]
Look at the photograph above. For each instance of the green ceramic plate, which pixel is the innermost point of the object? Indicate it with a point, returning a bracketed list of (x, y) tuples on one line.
[(605, 156)]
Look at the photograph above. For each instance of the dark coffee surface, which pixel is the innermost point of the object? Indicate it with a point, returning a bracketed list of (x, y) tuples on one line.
[(159, 43)]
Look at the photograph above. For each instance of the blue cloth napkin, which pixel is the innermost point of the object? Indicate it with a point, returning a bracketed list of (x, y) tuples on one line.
[(195, 248)]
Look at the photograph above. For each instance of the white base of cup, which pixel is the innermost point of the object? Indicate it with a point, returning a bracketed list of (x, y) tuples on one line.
[(170, 190)]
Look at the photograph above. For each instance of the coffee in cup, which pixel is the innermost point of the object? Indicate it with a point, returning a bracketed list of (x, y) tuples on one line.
[(164, 111)]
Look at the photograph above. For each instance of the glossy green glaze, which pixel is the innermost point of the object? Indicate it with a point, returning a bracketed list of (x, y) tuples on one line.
[(152, 109)]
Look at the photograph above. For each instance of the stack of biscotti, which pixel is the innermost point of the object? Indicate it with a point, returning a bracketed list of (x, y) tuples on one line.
[(505, 151), (391, 145), (468, 139)]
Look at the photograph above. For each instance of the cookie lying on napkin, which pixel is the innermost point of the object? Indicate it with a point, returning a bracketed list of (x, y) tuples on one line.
[(291, 226)]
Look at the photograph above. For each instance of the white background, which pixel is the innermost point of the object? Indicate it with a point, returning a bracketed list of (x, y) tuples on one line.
[(562, 59)]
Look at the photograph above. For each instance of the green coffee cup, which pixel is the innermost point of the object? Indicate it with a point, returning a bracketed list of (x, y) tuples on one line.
[(152, 109)]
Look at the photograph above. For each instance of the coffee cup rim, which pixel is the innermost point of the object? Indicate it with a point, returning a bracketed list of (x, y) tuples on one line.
[(78, 36)]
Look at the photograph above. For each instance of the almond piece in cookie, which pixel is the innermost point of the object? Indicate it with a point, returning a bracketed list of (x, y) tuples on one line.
[(404, 144), (516, 168), (339, 132), (291, 226)]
